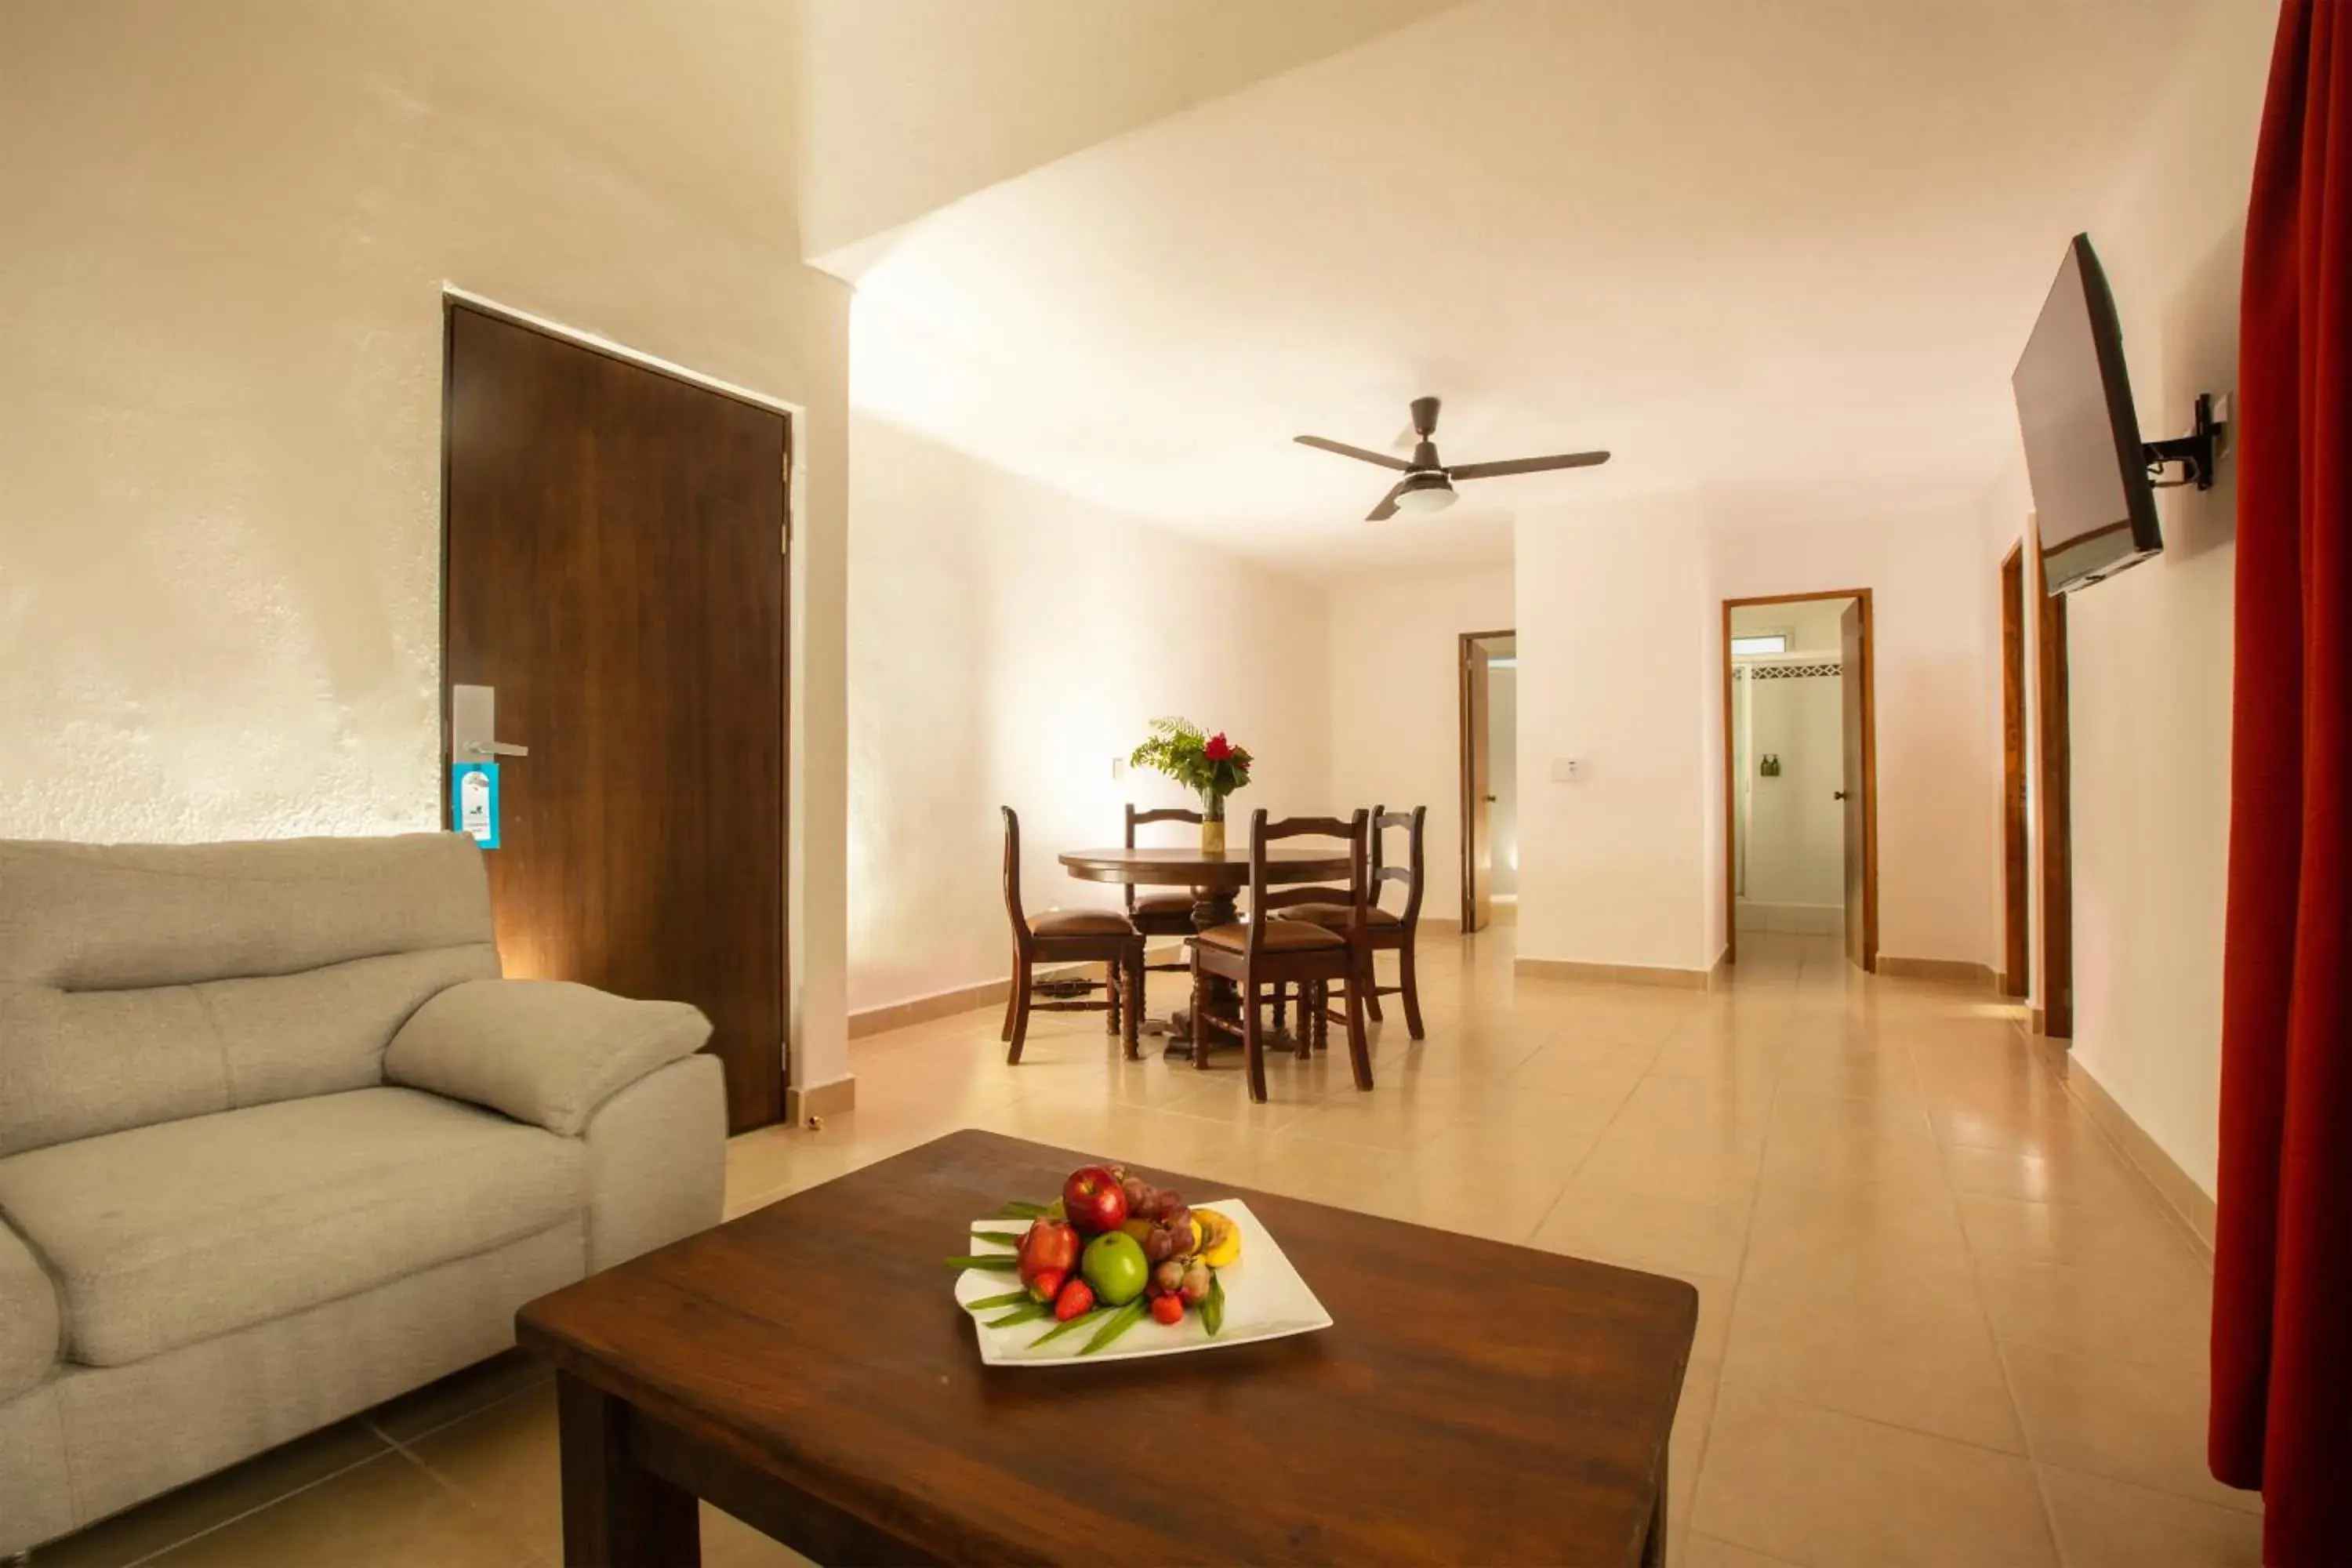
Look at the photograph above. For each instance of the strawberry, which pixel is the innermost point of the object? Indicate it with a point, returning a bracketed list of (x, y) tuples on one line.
[(1168, 1308), (1046, 1284), (1076, 1296)]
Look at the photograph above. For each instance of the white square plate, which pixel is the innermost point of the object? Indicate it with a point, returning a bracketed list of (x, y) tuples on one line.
[(1264, 1299)]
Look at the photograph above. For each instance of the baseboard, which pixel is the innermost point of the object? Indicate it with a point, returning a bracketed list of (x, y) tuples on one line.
[(1616, 973), (2180, 1191), (835, 1098), (915, 1010), (1444, 925), (1958, 970)]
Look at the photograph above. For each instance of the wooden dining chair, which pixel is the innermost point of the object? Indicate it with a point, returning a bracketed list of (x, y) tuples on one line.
[(1271, 951), (1068, 936), (1159, 914), (1384, 931)]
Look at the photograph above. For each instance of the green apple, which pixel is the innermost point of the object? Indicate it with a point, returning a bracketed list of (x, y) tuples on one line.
[(1114, 1265)]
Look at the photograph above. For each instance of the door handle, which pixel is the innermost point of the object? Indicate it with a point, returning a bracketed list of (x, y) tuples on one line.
[(1491, 799), (1837, 794), (473, 724)]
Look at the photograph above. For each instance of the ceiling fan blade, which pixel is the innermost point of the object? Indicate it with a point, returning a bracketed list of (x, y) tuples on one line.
[(1527, 465), (1383, 458), (1388, 507)]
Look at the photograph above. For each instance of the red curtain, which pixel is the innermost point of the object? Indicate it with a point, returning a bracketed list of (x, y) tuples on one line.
[(2282, 1258)]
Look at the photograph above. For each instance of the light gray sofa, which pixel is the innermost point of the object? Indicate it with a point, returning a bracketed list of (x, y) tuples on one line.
[(277, 1143)]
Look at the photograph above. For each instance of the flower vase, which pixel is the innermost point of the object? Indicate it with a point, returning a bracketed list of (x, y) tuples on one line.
[(1212, 825)]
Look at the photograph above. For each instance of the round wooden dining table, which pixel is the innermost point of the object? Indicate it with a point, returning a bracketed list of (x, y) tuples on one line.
[(1213, 880)]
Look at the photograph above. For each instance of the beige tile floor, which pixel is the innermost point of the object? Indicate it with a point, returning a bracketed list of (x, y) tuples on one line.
[(1943, 1321)]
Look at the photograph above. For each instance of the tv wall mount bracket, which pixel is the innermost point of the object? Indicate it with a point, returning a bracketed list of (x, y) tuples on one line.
[(2197, 453)]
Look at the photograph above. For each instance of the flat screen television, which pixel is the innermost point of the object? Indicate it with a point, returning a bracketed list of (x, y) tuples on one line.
[(2094, 505)]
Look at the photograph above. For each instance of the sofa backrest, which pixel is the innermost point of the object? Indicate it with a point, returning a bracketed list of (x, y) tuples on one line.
[(143, 983)]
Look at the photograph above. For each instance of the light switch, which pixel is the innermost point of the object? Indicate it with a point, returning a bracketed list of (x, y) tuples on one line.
[(1568, 770), (1118, 768)]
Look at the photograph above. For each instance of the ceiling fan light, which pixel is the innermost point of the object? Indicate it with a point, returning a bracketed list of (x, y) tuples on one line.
[(1435, 497)]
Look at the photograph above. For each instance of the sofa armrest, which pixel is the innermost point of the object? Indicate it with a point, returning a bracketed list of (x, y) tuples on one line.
[(543, 1051)]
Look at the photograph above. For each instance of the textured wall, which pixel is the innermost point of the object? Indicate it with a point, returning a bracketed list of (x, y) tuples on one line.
[(228, 230)]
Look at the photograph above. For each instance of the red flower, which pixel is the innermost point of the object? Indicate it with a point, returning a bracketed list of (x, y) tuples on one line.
[(1219, 748)]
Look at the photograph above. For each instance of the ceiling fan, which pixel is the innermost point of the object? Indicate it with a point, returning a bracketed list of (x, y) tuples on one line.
[(1428, 484)]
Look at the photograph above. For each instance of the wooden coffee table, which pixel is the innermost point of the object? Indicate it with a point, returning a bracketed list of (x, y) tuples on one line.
[(805, 1369)]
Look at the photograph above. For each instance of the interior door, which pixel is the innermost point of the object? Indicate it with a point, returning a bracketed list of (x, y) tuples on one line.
[(616, 574), (1853, 689), (1477, 791)]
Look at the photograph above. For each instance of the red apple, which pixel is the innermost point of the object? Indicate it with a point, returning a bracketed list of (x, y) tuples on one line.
[(1048, 1247), (1094, 1200)]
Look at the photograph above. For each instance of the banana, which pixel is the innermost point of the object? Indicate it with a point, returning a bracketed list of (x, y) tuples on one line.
[(1220, 1239)]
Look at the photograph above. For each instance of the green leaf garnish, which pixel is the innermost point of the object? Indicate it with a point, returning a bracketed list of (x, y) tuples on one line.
[(1124, 1318), (1090, 1315), (1213, 1307), (1028, 1314), (988, 1303), (1002, 1262)]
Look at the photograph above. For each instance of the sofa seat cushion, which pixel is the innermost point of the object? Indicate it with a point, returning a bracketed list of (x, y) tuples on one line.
[(29, 1316), (165, 1236)]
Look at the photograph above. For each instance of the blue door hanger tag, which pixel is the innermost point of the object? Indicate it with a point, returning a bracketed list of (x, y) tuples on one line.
[(474, 801)]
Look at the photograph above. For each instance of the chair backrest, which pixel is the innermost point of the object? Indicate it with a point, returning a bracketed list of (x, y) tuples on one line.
[(1136, 820), (1410, 872), (1266, 900), (146, 982), (1012, 877)]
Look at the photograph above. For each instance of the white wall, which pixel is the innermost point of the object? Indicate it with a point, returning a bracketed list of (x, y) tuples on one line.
[(2150, 650), (1937, 675), (1617, 642), (1006, 642), (1396, 702), (228, 227)]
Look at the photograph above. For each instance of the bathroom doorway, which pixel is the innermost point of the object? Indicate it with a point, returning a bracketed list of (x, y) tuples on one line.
[(1800, 785)]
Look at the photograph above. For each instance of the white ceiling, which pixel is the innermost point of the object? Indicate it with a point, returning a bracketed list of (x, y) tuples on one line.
[(1783, 250)]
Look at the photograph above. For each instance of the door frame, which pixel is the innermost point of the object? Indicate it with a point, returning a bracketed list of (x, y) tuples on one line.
[(2053, 776), (1462, 769), (454, 298), (1869, 771), (2016, 817)]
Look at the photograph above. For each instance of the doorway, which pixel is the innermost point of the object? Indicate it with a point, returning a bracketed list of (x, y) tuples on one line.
[(616, 630), (1801, 771), (1489, 674)]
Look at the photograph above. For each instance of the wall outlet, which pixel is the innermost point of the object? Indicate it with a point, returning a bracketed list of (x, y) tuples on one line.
[(1568, 770)]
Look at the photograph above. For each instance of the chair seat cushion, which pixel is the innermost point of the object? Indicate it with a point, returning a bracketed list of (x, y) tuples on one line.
[(1336, 915), (1080, 923), (1165, 904), (1281, 936), (164, 1235)]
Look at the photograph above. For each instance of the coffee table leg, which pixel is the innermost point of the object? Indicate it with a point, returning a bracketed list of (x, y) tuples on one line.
[(1653, 1547), (616, 1513)]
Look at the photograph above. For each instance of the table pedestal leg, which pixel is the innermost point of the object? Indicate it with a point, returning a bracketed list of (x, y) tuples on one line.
[(1211, 910)]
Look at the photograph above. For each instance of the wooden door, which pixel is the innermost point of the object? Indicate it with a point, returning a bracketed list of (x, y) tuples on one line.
[(2056, 781), (616, 572), (2016, 833), (1477, 789), (1854, 688)]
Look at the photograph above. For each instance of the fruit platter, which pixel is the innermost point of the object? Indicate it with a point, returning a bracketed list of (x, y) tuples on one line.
[(1114, 1269)]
